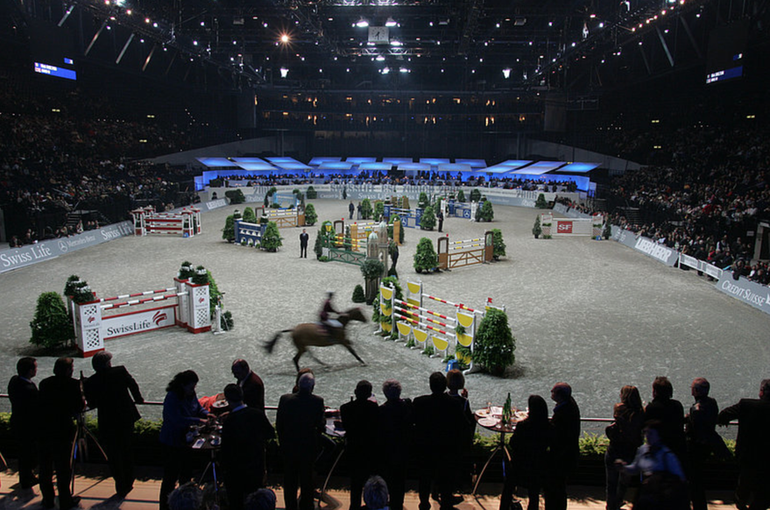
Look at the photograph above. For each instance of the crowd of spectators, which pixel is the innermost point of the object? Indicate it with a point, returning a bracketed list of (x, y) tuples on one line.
[(432, 433)]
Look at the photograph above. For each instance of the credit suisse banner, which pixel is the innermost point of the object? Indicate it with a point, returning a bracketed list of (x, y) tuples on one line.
[(15, 258), (747, 291)]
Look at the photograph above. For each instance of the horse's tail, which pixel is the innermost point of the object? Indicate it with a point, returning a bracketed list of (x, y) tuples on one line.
[(269, 345)]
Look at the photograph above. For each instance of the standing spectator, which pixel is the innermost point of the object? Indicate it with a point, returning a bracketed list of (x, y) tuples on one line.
[(395, 440), (299, 423), (25, 418), (61, 401), (303, 240), (440, 218), (181, 410), (251, 384), (669, 412), (565, 447), (752, 448), (529, 445), (702, 439), (625, 435), (245, 430), (351, 209), (114, 393), (438, 420), (663, 481), (455, 381), (359, 419)]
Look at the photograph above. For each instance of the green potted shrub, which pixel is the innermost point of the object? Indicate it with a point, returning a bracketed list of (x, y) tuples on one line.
[(186, 271), (249, 216), (498, 245), (228, 233), (475, 195), (485, 212), (494, 344), (358, 294), (235, 196), (269, 193), (422, 202), (310, 215), (319, 245), (425, 257), (428, 219), (540, 203), (460, 196), (537, 229), (372, 270), (379, 210), (271, 239), (51, 325), (311, 193), (347, 242), (366, 209)]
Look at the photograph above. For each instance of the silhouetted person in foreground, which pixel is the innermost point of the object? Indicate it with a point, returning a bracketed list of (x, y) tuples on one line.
[(114, 393), (25, 418), (565, 447), (61, 401), (752, 448)]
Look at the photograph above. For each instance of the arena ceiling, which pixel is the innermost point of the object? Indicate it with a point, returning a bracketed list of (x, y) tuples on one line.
[(468, 45)]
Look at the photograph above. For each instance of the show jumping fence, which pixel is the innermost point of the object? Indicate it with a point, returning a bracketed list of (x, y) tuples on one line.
[(464, 253), (185, 223), (185, 305)]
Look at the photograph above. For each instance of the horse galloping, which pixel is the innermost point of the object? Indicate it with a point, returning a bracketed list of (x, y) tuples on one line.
[(313, 334)]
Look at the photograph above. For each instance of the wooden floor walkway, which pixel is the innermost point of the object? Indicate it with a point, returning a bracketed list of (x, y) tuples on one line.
[(97, 490)]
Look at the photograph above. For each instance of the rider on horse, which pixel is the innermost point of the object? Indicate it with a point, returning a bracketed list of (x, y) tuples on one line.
[(329, 325)]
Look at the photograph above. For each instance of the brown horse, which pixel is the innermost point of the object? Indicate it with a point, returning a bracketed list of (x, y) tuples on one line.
[(313, 334)]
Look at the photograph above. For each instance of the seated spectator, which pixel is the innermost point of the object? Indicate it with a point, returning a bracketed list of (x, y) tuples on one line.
[(263, 499), (376, 494), (187, 496)]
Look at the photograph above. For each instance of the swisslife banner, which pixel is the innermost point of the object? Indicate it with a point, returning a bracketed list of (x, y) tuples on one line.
[(138, 322), (749, 292), (14, 258)]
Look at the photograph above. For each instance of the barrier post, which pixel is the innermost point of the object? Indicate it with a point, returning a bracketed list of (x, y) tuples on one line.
[(183, 298), (88, 324), (199, 313)]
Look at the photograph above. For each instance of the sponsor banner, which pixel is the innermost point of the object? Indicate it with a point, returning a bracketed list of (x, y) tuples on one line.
[(660, 252), (563, 227), (15, 258), (138, 322), (214, 204), (755, 294)]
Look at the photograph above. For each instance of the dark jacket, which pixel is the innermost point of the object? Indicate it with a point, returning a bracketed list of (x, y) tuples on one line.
[(753, 442), (299, 423), (60, 402), (671, 413), (25, 407), (359, 417), (244, 434), (254, 392), (565, 448), (113, 392)]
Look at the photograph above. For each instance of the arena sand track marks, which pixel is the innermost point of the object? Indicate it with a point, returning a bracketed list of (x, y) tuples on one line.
[(595, 314)]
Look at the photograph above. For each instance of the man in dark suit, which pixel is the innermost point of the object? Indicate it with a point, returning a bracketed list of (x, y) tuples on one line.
[(359, 418), (702, 440), (395, 440), (670, 413), (752, 448), (299, 423), (114, 393), (61, 400), (303, 239), (438, 421), (251, 384), (245, 430), (565, 447), (25, 418)]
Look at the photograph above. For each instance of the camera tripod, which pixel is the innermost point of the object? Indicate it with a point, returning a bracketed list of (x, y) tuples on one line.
[(80, 446)]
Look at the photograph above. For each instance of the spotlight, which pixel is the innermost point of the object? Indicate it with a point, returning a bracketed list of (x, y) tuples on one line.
[(284, 72), (362, 23), (507, 73)]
